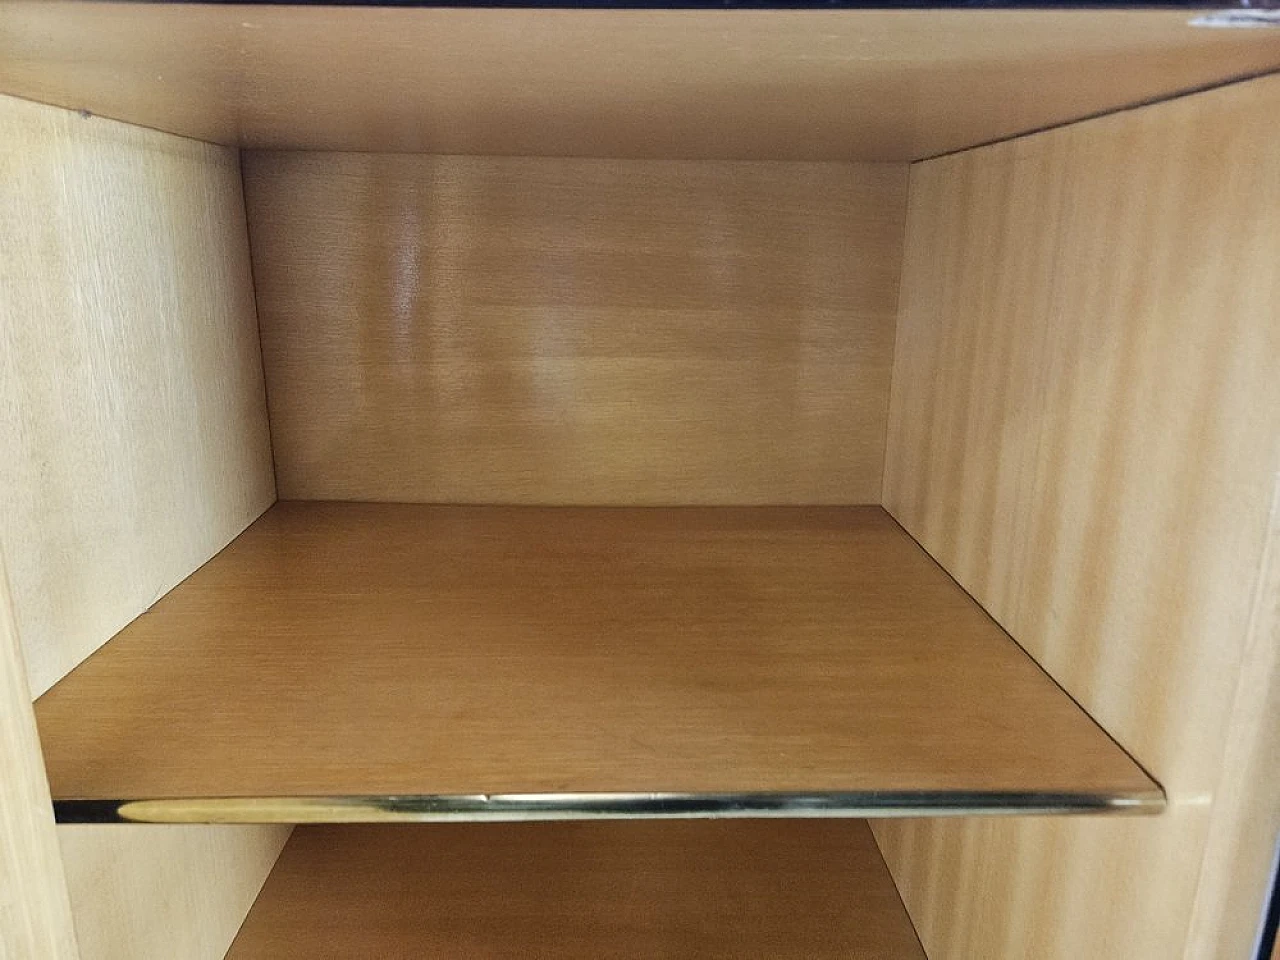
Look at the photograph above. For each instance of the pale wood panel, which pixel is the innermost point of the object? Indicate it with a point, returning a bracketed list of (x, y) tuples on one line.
[(392, 650), (585, 890), (966, 398), (576, 331), (35, 913), (1142, 414), (1245, 830), (174, 892), (785, 85), (135, 445), (135, 432)]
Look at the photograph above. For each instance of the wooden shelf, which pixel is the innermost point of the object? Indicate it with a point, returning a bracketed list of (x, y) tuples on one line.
[(580, 890), (348, 662)]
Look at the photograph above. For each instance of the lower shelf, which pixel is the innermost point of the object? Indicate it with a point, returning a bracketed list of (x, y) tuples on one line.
[(793, 889)]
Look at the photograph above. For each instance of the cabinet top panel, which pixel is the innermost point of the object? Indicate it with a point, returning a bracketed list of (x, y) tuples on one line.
[(829, 84), (346, 662)]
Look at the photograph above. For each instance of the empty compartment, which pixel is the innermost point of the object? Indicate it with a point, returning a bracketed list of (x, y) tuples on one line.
[(825, 428)]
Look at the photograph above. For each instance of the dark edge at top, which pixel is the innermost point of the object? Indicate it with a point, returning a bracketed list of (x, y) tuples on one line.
[(1097, 5)]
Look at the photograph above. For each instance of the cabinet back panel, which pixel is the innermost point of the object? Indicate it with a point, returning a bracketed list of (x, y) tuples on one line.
[(134, 446), (457, 329), (1085, 431)]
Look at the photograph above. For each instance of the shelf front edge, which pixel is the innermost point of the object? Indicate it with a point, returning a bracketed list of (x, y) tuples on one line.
[(465, 808)]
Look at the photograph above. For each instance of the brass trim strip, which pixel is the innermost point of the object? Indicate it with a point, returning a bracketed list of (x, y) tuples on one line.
[(465, 808)]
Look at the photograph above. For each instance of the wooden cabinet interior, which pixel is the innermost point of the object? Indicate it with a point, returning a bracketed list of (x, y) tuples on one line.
[(693, 257)]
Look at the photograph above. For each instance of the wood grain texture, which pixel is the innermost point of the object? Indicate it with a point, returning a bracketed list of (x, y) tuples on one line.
[(1085, 431), (741, 85), (145, 892), (467, 330), (35, 912), (1244, 833), (135, 445), (371, 650), (135, 430), (788, 890)]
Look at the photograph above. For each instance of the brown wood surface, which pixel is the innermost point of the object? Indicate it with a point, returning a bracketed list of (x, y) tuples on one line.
[(382, 650), (745, 85), (451, 329), (1085, 430), (133, 446), (580, 891)]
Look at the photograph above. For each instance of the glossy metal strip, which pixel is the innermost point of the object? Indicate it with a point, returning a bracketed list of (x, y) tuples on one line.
[(594, 806)]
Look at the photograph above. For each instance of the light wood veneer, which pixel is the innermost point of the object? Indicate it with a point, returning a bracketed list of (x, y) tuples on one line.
[(1085, 431)]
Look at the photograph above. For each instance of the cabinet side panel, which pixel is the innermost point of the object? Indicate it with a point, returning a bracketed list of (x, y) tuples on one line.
[(164, 892), (1245, 833), (135, 430), (1085, 430), (135, 446), (35, 915), (516, 330)]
